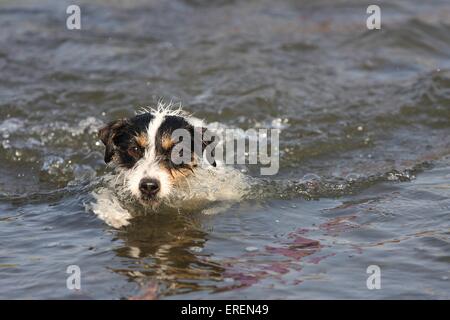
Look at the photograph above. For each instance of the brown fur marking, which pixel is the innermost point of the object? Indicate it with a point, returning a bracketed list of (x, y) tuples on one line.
[(142, 140), (167, 142)]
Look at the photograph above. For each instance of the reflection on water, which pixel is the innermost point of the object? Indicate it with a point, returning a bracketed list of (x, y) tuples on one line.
[(168, 248), (364, 168)]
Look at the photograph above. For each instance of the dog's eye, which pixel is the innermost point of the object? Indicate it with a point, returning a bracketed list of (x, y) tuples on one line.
[(135, 152)]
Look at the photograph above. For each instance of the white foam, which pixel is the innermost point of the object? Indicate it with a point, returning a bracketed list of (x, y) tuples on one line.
[(211, 185)]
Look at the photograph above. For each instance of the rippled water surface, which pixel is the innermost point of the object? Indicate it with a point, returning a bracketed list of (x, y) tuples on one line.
[(365, 150)]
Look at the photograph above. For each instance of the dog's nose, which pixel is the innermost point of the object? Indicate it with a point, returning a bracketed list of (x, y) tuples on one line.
[(149, 187)]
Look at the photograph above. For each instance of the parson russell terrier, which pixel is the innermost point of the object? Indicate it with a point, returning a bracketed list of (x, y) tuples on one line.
[(158, 149)]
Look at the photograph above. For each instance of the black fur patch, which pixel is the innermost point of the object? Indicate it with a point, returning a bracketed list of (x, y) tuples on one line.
[(168, 126), (119, 139)]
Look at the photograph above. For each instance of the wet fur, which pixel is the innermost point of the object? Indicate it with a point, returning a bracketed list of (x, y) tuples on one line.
[(140, 147)]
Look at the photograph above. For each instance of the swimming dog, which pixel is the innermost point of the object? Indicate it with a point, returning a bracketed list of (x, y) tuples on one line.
[(156, 151)]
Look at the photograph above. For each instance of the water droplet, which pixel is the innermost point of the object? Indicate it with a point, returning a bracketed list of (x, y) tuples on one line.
[(52, 244), (196, 249)]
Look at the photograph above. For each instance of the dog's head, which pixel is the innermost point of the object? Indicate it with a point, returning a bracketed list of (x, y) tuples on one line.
[(155, 152)]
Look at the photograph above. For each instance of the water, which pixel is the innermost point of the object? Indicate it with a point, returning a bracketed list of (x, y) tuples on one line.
[(364, 169)]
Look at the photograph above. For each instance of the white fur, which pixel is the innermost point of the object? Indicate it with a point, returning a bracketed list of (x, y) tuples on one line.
[(108, 208)]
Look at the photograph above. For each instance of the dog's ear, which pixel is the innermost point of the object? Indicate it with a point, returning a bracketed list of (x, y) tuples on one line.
[(106, 135), (206, 139)]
